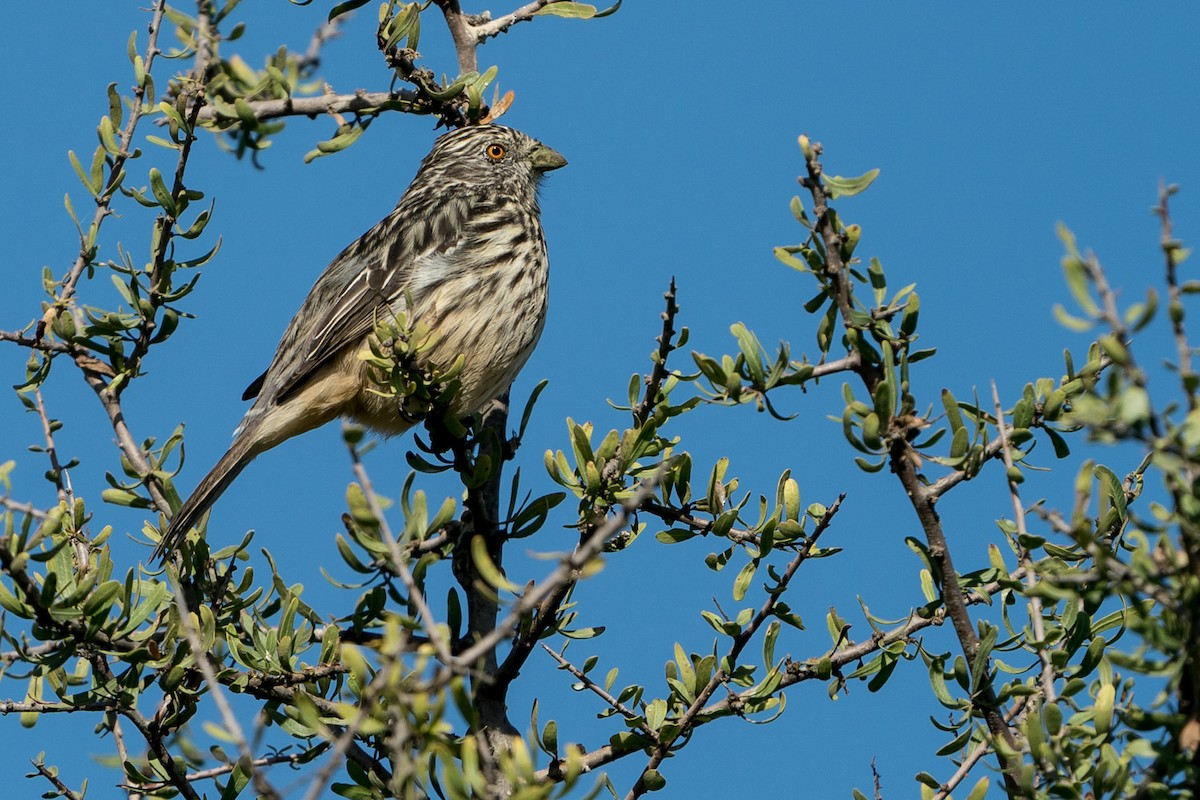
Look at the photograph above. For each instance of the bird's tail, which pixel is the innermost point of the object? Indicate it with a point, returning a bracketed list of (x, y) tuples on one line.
[(241, 453)]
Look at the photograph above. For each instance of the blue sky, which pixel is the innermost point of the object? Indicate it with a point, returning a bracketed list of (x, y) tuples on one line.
[(989, 124)]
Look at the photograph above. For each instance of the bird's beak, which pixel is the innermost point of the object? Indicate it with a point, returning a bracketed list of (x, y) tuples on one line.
[(545, 159)]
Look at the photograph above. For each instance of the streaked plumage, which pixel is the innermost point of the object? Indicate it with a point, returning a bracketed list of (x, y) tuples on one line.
[(465, 243)]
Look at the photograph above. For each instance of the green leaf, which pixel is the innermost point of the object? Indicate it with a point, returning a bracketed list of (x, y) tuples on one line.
[(487, 568), (92, 186), (569, 10), (1103, 711), (337, 143), (159, 188), (980, 790), (847, 187), (652, 779), (1070, 321), (929, 780), (743, 580)]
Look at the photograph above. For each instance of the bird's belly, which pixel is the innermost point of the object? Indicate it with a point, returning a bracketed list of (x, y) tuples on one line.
[(492, 321)]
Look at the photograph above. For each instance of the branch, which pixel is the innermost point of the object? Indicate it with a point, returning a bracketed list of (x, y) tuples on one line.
[(225, 769), (61, 479), (266, 690), (603, 694), (484, 29), (465, 41), (658, 374), (52, 776), (398, 564), (1172, 253), (904, 463), (1035, 603), (232, 726), (40, 707), (973, 758), (325, 32), (360, 101), (73, 632), (547, 609), (796, 673), (22, 508), (689, 719), (704, 526), (561, 576), (116, 168)]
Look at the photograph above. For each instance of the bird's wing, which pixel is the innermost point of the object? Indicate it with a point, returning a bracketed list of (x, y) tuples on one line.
[(364, 283)]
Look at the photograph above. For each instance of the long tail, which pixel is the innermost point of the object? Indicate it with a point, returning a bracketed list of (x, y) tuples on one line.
[(241, 453)]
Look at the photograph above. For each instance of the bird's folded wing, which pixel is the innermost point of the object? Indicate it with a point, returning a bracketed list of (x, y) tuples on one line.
[(366, 280)]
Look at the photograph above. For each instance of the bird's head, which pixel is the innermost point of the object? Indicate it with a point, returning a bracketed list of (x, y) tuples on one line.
[(490, 156)]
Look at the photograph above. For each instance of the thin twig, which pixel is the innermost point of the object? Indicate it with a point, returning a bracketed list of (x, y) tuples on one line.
[(981, 750), (104, 199), (1171, 252), (688, 720), (658, 374), (603, 694), (1114, 570), (30, 653), (52, 776), (232, 726), (22, 508), (225, 769), (796, 673), (561, 575), (61, 480), (398, 563), (486, 29), (325, 32)]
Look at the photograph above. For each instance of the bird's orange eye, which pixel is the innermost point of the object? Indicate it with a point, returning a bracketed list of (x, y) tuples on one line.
[(495, 151)]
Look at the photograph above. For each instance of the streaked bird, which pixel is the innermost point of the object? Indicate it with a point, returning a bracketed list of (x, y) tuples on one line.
[(465, 246)]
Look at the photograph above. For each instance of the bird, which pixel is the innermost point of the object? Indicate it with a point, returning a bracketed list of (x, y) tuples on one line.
[(462, 252)]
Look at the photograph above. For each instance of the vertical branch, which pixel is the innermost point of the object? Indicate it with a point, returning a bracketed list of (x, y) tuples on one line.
[(62, 480), (482, 522), (666, 344), (232, 726), (398, 563), (1035, 603), (464, 37), (1173, 254), (904, 462), (159, 276), (104, 199)]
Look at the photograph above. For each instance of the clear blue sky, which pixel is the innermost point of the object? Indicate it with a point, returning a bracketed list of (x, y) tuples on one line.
[(990, 123)]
